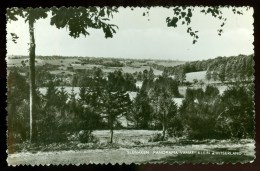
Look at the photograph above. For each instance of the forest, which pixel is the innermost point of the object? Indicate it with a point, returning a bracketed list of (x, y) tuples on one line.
[(231, 69)]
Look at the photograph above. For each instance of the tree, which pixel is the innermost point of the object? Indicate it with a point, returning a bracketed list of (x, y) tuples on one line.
[(180, 76), (215, 75), (117, 104), (208, 75), (199, 107), (142, 110), (145, 74), (237, 116), (222, 73), (151, 74), (62, 99), (164, 108), (51, 97), (18, 107), (77, 20)]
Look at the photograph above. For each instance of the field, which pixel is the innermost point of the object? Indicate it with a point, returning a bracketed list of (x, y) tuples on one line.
[(133, 146), (201, 75)]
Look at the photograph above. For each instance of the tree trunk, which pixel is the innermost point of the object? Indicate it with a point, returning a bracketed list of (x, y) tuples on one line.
[(111, 129), (163, 125), (32, 77), (111, 135)]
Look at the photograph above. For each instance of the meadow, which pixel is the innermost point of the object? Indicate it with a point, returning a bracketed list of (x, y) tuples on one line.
[(134, 146)]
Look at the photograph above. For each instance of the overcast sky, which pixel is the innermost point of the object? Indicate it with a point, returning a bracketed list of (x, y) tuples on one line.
[(139, 38)]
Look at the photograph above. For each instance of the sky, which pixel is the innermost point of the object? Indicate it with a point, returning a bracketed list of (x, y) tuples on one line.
[(140, 38)]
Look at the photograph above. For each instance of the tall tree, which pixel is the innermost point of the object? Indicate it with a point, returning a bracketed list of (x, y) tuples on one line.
[(164, 108), (116, 100), (62, 97), (142, 114), (116, 105), (151, 74)]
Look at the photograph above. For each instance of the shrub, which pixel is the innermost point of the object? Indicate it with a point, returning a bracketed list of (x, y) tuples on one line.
[(87, 137), (176, 127), (157, 137)]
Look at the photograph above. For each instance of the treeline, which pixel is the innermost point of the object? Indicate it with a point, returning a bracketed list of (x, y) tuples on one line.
[(221, 68)]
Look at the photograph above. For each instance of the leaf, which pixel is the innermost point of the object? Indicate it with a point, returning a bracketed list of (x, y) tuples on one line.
[(183, 14), (187, 20), (239, 12), (189, 13), (172, 22), (14, 37), (102, 12), (189, 29)]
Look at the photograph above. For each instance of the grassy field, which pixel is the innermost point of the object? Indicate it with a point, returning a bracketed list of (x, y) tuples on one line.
[(201, 75), (133, 146)]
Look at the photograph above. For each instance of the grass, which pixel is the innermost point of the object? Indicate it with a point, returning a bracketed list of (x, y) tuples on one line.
[(205, 158), (201, 75), (133, 140)]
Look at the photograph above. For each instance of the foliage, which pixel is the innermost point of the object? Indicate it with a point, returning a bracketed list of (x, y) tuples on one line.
[(87, 137), (206, 114), (142, 110), (237, 117), (18, 107), (157, 137), (183, 15), (221, 68)]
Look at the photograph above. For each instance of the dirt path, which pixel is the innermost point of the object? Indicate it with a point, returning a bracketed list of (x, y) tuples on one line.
[(170, 154)]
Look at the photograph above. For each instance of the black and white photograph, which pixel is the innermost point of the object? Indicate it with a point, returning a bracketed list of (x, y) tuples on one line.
[(99, 85)]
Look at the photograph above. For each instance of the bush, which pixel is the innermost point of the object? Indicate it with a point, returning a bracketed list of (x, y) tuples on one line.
[(157, 137), (87, 137), (176, 127)]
